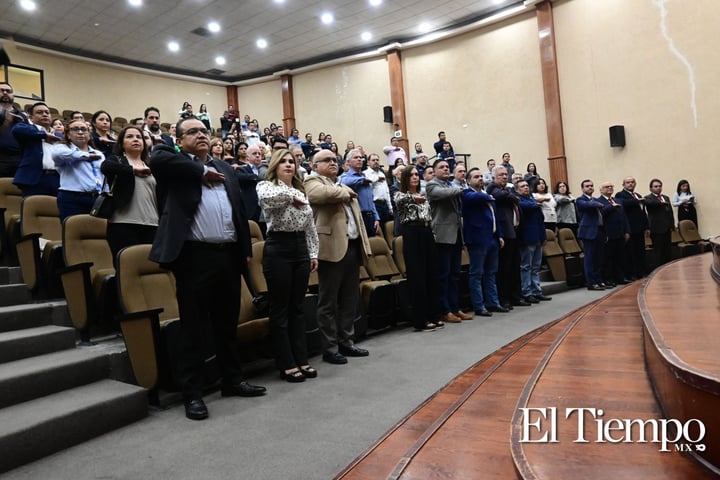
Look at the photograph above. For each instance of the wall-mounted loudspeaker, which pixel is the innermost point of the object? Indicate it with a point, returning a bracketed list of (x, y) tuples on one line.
[(617, 136), (387, 114)]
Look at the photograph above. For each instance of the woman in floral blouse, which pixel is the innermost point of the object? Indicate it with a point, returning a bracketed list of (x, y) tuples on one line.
[(290, 254), (413, 211)]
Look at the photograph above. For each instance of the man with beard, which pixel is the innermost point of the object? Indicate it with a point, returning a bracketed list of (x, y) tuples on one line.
[(152, 125), (9, 115)]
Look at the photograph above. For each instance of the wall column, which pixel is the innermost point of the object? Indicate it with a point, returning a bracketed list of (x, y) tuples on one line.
[(288, 100), (397, 97), (551, 90), (232, 97)]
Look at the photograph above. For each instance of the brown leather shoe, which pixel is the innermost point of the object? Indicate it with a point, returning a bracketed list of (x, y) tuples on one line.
[(450, 318), (462, 315)]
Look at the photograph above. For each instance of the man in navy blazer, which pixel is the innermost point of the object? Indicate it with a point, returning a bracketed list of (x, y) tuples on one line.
[(634, 205), (617, 232), (590, 231), (36, 174), (483, 238), (531, 237), (203, 238)]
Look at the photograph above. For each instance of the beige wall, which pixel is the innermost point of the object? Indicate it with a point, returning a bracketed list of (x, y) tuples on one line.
[(346, 101), (616, 67), (77, 85), (262, 101), (484, 90)]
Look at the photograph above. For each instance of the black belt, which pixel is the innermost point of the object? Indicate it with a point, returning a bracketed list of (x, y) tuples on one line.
[(380, 200), (51, 171), (368, 212), (280, 234), (416, 223), (208, 245), (81, 194)]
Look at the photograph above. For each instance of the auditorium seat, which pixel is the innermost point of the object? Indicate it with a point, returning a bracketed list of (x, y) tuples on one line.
[(554, 256), (389, 232), (689, 234), (255, 232), (39, 248), (10, 199), (89, 277), (573, 258), (680, 248), (398, 255), (380, 293)]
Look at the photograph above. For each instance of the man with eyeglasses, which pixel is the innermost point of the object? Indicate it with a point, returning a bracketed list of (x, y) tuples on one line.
[(204, 239), (10, 152), (152, 125), (36, 174), (343, 246)]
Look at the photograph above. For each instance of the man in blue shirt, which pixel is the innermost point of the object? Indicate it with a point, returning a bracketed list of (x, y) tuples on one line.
[(355, 179)]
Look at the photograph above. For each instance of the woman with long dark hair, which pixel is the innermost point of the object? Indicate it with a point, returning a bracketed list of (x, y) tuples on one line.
[(685, 202), (289, 256), (565, 207), (102, 136), (135, 217), (547, 204)]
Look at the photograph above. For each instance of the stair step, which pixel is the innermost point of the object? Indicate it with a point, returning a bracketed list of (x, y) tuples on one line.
[(30, 342), (43, 426), (17, 317), (34, 377), (14, 294), (10, 275)]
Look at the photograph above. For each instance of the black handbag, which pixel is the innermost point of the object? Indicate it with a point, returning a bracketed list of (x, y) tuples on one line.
[(104, 205)]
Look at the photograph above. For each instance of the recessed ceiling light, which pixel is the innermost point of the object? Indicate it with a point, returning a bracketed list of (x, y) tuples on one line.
[(135, 3), (279, 1), (424, 27), (173, 46), (366, 36), (220, 60), (261, 43), (28, 5), (375, 3), (213, 27), (327, 18)]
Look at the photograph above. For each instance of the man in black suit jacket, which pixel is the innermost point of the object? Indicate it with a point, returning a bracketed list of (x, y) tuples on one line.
[(634, 205), (152, 125), (203, 238), (617, 232), (662, 221), (249, 175)]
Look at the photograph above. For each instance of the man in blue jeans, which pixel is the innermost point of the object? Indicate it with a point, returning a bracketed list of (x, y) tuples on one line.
[(483, 239), (532, 237)]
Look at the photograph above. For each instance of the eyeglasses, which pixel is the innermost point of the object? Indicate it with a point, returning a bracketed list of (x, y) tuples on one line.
[(196, 131), (79, 130), (6, 90)]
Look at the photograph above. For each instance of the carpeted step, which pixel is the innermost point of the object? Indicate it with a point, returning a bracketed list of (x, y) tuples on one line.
[(43, 426), (17, 317), (29, 342), (14, 294), (34, 377), (10, 275)]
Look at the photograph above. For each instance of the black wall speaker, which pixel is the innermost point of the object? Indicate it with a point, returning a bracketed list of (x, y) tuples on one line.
[(617, 136), (387, 114)]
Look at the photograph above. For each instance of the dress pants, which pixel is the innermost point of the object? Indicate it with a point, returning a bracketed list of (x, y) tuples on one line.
[(338, 297), (635, 256), (207, 280), (121, 235), (483, 268), (48, 184), (369, 221), (422, 278), (449, 260), (508, 276), (662, 244), (74, 203), (613, 260), (286, 266), (593, 259)]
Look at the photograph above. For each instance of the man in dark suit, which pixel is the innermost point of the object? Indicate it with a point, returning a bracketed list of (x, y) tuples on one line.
[(249, 175), (634, 205), (590, 231), (662, 221), (36, 174), (202, 237), (9, 115), (617, 232), (152, 125)]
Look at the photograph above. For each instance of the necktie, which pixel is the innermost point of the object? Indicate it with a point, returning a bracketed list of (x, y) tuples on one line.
[(612, 202), (661, 198)]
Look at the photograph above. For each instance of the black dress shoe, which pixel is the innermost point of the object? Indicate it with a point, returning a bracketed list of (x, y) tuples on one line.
[(242, 389), (483, 313), (543, 298), (508, 306), (353, 351), (531, 299), (608, 284), (196, 409), (498, 308), (335, 358), (595, 287), (521, 303)]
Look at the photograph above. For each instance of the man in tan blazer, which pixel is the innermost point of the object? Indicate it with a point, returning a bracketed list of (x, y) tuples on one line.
[(343, 246)]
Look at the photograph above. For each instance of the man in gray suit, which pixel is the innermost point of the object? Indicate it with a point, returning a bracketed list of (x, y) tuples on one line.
[(447, 227)]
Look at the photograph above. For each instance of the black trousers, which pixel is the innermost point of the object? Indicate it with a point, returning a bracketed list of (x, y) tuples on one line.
[(662, 244), (286, 266), (635, 256), (207, 279), (508, 275), (420, 255), (121, 235), (614, 256)]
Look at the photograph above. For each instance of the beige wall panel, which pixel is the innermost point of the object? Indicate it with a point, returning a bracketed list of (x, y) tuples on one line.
[(484, 89), (346, 101), (77, 85), (616, 67), (262, 101)]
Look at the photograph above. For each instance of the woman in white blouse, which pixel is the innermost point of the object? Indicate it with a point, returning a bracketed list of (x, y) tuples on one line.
[(290, 254), (547, 203)]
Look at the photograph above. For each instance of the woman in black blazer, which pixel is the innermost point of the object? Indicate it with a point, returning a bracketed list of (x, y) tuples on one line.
[(135, 216)]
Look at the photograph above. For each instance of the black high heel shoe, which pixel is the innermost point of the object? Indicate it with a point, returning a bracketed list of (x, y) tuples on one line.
[(309, 371), (293, 376)]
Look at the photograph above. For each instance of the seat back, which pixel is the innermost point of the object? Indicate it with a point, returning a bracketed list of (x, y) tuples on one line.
[(84, 240), (399, 255), (567, 241), (689, 231), (255, 232), (389, 231), (554, 256), (40, 214), (10, 200), (552, 247), (380, 264), (257, 277), (144, 285)]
